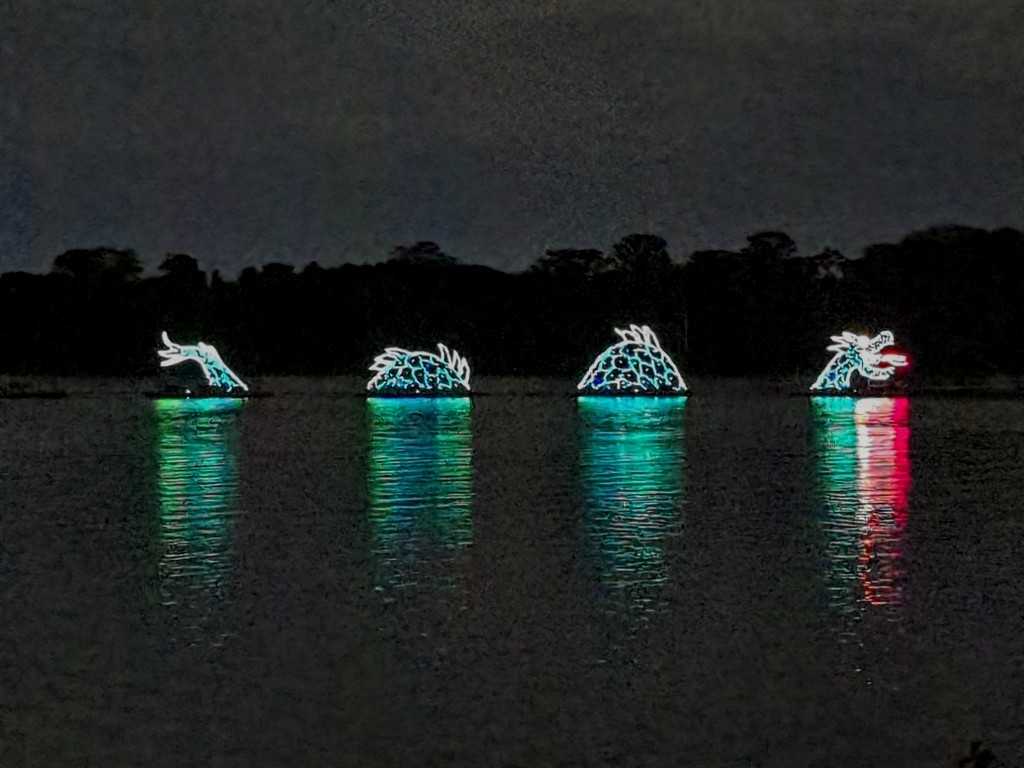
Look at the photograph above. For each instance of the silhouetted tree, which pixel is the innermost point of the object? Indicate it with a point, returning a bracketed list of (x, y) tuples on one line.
[(770, 245), (571, 263), (182, 271), (275, 272), (96, 264), (954, 297), (422, 252), (977, 757), (179, 264), (944, 280), (640, 254), (248, 278), (828, 265)]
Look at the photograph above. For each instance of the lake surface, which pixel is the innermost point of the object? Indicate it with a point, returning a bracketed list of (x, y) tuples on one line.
[(741, 578)]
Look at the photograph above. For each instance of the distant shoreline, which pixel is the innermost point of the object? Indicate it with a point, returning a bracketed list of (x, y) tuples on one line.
[(14, 386)]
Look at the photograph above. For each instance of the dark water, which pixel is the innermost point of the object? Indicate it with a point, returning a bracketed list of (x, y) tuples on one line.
[(738, 579)]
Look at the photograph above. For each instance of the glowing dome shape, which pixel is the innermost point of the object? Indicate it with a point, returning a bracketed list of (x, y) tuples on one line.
[(858, 354), (636, 365), (401, 372), (218, 375)]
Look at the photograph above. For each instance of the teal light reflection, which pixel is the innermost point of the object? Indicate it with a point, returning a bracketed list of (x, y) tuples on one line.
[(198, 486), (631, 465), (420, 487), (864, 475)]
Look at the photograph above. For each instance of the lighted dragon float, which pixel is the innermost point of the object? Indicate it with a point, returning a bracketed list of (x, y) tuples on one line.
[(400, 372), (860, 365), (221, 381), (635, 365)]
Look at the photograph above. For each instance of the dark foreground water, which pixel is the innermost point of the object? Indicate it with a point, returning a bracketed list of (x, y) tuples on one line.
[(311, 579)]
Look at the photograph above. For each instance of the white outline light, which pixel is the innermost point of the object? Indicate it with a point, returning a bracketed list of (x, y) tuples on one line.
[(418, 372), (636, 340), (206, 356), (858, 354)]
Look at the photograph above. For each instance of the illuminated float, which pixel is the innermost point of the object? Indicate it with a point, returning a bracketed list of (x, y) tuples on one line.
[(221, 381), (636, 365), (863, 357), (401, 373)]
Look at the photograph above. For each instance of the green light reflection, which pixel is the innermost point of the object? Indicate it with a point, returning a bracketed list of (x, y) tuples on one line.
[(864, 478), (198, 485), (631, 465), (420, 487)]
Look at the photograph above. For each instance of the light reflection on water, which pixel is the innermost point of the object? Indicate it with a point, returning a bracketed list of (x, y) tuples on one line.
[(420, 487), (747, 665), (631, 466), (198, 489), (865, 475)]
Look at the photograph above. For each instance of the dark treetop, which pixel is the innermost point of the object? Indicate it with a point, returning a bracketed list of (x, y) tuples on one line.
[(953, 296)]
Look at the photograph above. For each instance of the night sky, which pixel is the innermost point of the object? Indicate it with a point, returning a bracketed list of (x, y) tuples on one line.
[(244, 132)]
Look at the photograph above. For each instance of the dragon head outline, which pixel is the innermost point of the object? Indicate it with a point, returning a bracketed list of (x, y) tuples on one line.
[(206, 356), (855, 353)]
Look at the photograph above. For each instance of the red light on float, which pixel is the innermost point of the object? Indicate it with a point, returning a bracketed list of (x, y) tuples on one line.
[(905, 361), (873, 359)]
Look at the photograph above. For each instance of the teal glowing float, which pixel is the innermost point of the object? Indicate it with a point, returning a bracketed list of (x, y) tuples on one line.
[(404, 373), (221, 381), (635, 365)]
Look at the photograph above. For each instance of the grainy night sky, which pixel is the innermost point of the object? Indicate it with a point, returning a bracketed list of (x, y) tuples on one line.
[(251, 131)]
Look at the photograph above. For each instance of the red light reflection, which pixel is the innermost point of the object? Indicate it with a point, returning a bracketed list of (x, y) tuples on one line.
[(883, 489)]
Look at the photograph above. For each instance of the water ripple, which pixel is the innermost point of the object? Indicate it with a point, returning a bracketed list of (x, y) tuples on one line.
[(420, 489), (631, 461), (865, 474), (198, 489)]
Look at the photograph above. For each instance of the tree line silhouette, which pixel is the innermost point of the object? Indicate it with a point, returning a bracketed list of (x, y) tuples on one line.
[(953, 296)]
